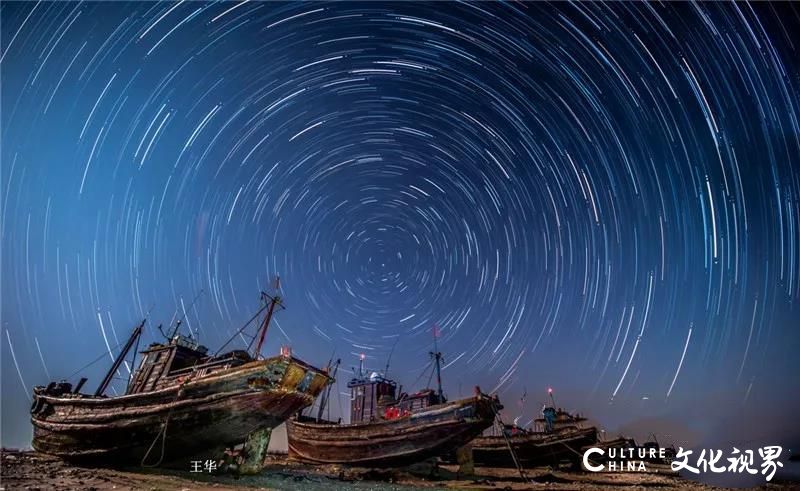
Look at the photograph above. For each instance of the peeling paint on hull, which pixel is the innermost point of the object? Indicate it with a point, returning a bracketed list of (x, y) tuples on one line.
[(203, 414), (403, 441)]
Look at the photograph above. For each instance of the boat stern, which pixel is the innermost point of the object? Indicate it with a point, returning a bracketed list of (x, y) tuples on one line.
[(486, 407), (303, 378)]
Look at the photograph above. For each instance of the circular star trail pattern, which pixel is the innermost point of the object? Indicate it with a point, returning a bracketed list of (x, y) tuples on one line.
[(600, 195)]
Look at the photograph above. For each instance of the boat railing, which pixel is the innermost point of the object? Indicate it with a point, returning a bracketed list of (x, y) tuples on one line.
[(208, 367)]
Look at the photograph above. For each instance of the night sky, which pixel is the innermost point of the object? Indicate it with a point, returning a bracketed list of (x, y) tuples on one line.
[(599, 198)]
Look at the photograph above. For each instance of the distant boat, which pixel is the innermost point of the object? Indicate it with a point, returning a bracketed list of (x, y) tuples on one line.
[(556, 437), (653, 445), (532, 449), (180, 402), (619, 442), (387, 430), (562, 420), (649, 453)]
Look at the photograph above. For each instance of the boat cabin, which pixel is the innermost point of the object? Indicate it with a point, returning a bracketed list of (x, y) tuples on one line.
[(171, 363), (167, 364), (375, 397), (368, 395), (420, 400), (563, 419)]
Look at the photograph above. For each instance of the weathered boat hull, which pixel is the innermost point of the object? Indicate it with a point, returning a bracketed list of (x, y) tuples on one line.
[(202, 415), (392, 443), (533, 449)]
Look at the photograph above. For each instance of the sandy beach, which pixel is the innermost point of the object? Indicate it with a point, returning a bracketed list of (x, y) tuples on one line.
[(32, 471)]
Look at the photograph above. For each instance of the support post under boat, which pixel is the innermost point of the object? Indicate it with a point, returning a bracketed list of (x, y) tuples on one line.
[(465, 461), (255, 451)]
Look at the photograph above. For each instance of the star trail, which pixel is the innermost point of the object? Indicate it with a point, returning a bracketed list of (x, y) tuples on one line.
[(604, 198)]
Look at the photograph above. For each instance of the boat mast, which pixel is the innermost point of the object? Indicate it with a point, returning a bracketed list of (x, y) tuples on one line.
[(273, 302), (437, 355), (107, 379), (389, 359), (326, 395), (133, 364)]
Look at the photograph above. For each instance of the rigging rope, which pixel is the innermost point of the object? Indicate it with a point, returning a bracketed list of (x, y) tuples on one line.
[(421, 374), (93, 362), (162, 433), (508, 443), (255, 316)]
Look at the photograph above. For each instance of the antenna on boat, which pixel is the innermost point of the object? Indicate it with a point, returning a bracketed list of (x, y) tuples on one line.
[(386, 372), (361, 364), (180, 321), (273, 302), (437, 355), (162, 331), (118, 361)]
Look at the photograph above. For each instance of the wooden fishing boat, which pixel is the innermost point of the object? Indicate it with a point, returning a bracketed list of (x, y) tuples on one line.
[(180, 403), (390, 431), (557, 436), (533, 448), (557, 419), (412, 438)]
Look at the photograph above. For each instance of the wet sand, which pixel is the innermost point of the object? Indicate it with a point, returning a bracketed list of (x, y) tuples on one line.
[(33, 471)]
